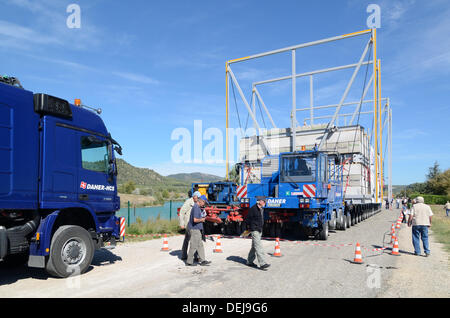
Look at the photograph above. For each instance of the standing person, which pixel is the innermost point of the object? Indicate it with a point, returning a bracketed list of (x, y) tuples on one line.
[(255, 222), (420, 219), (195, 227), (185, 215), (447, 208)]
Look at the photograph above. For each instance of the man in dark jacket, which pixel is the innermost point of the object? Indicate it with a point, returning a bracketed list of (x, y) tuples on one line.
[(255, 222)]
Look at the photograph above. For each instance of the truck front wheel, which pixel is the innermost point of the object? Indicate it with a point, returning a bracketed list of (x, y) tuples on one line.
[(71, 251)]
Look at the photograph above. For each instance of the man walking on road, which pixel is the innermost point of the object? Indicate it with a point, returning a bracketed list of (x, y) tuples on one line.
[(195, 227), (447, 208), (255, 222), (420, 219), (185, 214)]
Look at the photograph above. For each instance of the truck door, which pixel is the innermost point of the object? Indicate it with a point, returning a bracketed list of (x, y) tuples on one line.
[(75, 166), (96, 180)]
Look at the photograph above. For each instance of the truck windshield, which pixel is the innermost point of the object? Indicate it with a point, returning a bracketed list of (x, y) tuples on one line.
[(298, 168), (94, 155)]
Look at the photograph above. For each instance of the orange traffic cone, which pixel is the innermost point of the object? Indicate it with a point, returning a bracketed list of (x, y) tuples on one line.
[(218, 248), (165, 247), (358, 256), (277, 252), (395, 250)]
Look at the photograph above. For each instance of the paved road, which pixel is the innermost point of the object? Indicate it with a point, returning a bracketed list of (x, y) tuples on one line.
[(304, 270)]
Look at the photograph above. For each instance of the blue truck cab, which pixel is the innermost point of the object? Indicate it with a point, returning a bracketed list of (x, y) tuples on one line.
[(58, 193), (303, 188)]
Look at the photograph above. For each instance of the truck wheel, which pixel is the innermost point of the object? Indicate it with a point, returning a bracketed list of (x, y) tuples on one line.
[(71, 251), (349, 220), (332, 222), (323, 234)]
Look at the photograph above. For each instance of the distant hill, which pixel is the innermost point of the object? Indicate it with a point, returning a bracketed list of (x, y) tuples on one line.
[(148, 179), (152, 183), (195, 177)]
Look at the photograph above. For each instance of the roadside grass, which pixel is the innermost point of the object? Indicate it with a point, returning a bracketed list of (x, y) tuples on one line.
[(441, 226), (155, 229)]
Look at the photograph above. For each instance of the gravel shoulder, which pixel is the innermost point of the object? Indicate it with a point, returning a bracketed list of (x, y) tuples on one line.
[(419, 276)]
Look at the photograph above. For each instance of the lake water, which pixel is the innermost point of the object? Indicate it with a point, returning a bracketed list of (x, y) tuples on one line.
[(151, 212)]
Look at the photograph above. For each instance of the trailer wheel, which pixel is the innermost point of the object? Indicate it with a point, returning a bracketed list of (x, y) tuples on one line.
[(323, 234), (344, 222), (340, 222), (332, 222), (71, 251)]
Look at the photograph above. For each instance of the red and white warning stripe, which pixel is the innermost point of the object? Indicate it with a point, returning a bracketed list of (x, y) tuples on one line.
[(242, 191), (309, 190), (122, 226)]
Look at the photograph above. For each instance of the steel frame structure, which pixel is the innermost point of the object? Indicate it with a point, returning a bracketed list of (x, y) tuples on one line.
[(374, 81)]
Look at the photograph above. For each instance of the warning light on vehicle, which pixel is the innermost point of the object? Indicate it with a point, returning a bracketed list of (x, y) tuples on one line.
[(77, 102)]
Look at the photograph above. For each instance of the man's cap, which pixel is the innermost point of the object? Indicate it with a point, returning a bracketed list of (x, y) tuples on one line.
[(204, 198), (261, 198), (197, 194)]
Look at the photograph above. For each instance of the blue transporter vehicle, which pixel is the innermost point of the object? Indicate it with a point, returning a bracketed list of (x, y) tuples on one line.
[(304, 193), (58, 194)]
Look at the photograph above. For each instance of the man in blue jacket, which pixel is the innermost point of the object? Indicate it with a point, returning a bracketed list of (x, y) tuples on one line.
[(195, 227), (255, 222)]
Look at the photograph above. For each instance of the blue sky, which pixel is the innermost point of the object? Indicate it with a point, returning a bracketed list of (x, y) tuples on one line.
[(154, 66)]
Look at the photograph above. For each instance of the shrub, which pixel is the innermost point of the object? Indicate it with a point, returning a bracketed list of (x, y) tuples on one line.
[(432, 199)]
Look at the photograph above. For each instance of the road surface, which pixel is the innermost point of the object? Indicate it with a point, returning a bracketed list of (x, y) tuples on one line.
[(306, 269)]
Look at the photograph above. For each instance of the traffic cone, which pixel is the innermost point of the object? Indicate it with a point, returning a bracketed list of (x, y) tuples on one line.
[(358, 256), (277, 252), (398, 225), (218, 248), (395, 250), (165, 247)]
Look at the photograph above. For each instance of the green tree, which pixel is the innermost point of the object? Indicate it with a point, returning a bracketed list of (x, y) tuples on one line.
[(129, 187), (233, 176)]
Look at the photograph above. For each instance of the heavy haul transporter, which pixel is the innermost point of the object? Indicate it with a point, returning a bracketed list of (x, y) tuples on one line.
[(58, 194)]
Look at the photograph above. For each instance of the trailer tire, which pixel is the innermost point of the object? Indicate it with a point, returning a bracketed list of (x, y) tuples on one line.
[(323, 234), (344, 222), (340, 221), (71, 251), (332, 223)]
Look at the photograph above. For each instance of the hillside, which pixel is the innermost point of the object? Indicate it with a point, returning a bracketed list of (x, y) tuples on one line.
[(195, 177), (147, 180), (151, 188)]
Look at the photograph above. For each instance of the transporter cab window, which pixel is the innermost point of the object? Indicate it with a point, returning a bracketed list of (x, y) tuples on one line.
[(94, 154)]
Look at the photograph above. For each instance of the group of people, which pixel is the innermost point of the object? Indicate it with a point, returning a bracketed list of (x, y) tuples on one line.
[(415, 212), (192, 216)]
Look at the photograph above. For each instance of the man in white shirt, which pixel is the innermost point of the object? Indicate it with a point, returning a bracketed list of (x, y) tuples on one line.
[(420, 219), (185, 214)]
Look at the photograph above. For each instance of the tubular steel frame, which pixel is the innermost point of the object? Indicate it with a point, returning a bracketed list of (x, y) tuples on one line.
[(377, 112)]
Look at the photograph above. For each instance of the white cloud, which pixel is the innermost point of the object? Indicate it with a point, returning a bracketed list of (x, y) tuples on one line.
[(143, 79), (21, 33)]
